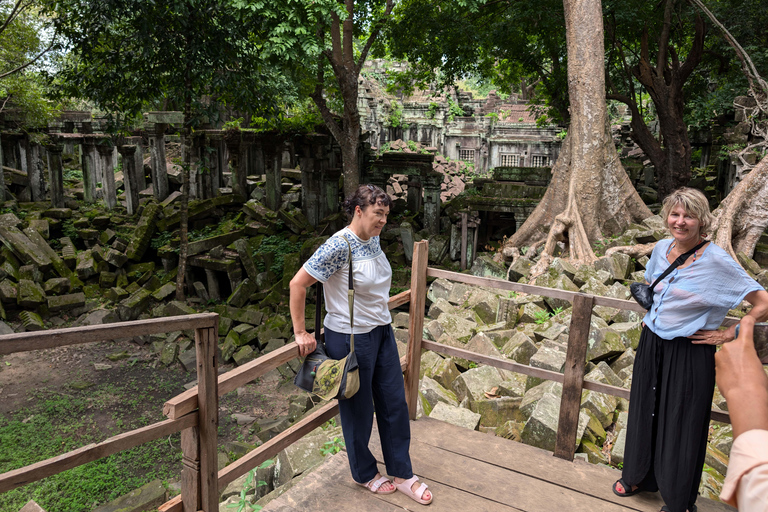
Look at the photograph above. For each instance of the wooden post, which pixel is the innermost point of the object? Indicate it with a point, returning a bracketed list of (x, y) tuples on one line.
[(416, 327), (573, 378), (208, 415), (190, 469), (464, 215)]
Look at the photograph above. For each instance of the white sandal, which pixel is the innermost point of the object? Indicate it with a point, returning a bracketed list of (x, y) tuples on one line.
[(417, 496), (375, 485)]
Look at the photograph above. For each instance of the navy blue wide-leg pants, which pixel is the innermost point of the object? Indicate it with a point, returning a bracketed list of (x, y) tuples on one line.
[(381, 390)]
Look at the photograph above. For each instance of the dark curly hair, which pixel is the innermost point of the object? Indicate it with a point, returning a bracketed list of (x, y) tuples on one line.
[(364, 196)]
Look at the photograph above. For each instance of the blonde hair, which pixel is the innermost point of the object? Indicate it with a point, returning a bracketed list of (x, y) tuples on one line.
[(694, 202)]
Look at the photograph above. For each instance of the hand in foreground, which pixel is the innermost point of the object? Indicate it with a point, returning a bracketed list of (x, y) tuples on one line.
[(306, 342), (737, 366), (703, 337)]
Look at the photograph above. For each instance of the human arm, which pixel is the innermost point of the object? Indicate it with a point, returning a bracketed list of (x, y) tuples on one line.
[(759, 313), (298, 288), (744, 384)]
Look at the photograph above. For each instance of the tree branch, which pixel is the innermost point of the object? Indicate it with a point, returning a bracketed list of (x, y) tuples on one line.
[(348, 48), (50, 46), (697, 51), (322, 104), (661, 58), (373, 35), (17, 9)]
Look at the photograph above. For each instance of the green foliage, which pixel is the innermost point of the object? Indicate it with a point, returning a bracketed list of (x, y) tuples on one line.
[(243, 504), (395, 119), (432, 110), (60, 423), (333, 446), (541, 316), (24, 38), (454, 109), (493, 115), (279, 246)]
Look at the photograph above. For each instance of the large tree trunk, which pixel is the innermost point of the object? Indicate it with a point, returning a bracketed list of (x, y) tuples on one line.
[(742, 216), (590, 195)]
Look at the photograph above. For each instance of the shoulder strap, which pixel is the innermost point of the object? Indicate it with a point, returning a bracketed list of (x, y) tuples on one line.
[(679, 261), (350, 295)]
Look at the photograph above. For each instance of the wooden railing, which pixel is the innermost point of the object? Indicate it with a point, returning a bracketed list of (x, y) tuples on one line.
[(573, 377), (194, 413)]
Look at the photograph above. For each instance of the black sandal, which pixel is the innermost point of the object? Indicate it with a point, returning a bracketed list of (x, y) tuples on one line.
[(692, 508), (626, 492)]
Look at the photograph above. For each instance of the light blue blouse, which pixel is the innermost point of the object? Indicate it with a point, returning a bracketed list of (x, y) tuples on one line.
[(697, 296)]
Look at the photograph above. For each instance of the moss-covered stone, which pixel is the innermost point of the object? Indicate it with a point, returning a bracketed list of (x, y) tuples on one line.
[(30, 295), (143, 233)]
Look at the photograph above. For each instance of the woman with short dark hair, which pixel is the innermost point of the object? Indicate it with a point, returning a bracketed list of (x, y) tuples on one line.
[(381, 379)]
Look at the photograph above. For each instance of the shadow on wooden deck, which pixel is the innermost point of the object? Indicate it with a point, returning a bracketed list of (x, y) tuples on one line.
[(473, 472)]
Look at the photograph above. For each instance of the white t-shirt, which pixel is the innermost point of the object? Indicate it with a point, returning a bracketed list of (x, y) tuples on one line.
[(372, 279)]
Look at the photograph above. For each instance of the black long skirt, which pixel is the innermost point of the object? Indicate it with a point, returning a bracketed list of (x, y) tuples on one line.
[(669, 409)]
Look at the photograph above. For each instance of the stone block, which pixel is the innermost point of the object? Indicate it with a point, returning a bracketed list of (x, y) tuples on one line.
[(460, 293), (513, 385), (748, 263), (303, 455), (602, 406), (520, 268), (520, 348), (495, 412), (107, 279), (115, 258), (134, 305), (629, 333), (30, 295), (618, 265), (244, 354), (164, 291), (485, 266), (594, 431), (561, 282), (534, 394), (550, 330), (546, 358), (55, 286), (32, 506), (8, 291), (485, 305), (86, 265), (457, 327), (66, 302), (444, 372), (564, 267), (439, 289), (617, 450), (603, 373), (31, 321), (147, 497), (169, 353), (541, 427), (242, 293), (604, 344), (458, 416), (142, 234), (593, 452), (475, 382), (431, 392)]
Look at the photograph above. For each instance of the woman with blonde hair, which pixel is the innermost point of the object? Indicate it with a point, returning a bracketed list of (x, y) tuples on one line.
[(673, 378)]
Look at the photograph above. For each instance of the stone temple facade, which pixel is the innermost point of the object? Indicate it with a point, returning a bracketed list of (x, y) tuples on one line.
[(487, 133)]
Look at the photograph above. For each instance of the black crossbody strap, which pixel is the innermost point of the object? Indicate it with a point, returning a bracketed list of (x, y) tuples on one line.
[(350, 295), (679, 261)]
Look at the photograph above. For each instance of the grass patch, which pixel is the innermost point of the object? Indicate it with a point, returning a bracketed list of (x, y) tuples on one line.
[(58, 423)]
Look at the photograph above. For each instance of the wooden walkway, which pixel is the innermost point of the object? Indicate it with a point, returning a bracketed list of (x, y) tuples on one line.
[(471, 471)]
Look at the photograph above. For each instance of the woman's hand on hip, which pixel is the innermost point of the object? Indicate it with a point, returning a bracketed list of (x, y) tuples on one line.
[(704, 337), (306, 343)]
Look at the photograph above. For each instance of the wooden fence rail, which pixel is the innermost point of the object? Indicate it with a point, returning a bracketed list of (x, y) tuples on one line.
[(195, 412), (573, 377)]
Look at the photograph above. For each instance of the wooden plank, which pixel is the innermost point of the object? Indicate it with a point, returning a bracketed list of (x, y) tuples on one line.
[(416, 325), (573, 377), (208, 424), (39, 470), (330, 487), (481, 475), (577, 476), (531, 289), (172, 505), (272, 447), (27, 341), (190, 469), (398, 300), (185, 402)]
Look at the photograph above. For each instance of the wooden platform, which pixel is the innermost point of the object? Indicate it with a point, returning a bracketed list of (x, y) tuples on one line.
[(473, 472)]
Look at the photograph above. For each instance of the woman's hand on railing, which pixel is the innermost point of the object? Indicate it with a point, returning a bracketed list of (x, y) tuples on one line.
[(306, 343)]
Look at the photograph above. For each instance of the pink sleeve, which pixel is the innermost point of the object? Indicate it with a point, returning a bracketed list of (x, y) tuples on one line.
[(746, 484)]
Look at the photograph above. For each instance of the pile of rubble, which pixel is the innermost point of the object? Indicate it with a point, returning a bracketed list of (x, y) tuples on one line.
[(454, 172)]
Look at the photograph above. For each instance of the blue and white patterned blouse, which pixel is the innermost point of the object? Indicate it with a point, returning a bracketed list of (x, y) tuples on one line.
[(372, 279), (697, 296)]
